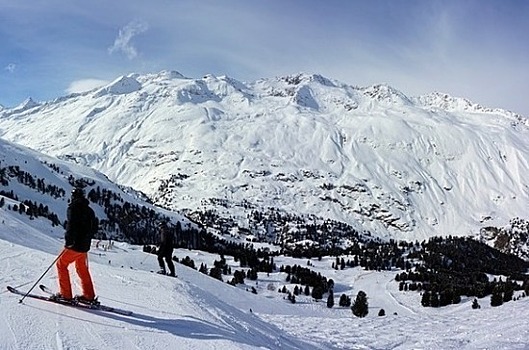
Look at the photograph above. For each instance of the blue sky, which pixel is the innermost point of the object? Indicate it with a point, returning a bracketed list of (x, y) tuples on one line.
[(473, 49)]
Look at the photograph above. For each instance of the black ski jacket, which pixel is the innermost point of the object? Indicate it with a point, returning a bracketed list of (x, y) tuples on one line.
[(166, 241), (81, 225)]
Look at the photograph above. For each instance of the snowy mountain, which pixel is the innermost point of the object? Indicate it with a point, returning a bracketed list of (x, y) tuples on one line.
[(195, 311), (398, 166)]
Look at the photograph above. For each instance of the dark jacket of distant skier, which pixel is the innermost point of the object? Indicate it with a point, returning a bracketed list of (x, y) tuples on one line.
[(165, 249)]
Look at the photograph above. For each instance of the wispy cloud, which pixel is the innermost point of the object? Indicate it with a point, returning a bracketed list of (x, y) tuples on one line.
[(11, 67), (85, 85), (126, 34)]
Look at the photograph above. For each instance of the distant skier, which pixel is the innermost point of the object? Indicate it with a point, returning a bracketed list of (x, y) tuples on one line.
[(80, 227), (165, 249)]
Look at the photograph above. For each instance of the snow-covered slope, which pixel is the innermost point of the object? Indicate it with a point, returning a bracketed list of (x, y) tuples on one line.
[(185, 313), (404, 167), (27, 176), (194, 311)]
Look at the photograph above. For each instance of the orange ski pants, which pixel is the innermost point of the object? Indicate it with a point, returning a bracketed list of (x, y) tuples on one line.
[(68, 257)]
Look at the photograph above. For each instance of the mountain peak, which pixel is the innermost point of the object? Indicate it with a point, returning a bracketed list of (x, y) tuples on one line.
[(170, 74), (450, 103), (305, 78), (120, 86), (27, 104), (385, 93)]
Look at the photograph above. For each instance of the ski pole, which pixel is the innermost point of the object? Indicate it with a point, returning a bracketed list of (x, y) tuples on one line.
[(146, 256), (45, 272)]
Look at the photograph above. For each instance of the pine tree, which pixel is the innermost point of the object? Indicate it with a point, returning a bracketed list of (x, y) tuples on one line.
[(425, 300), (360, 306), (307, 290), (382, 312), (216, 272), (317, 293), (292, 298), (508, 295), (475, 304), (345, 301), (496, 299), (456, 299), (446, 297), (434, 300), (330, 299)]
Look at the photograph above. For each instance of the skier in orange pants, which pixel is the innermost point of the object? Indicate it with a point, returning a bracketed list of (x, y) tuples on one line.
[(81, 267), (80, 227)]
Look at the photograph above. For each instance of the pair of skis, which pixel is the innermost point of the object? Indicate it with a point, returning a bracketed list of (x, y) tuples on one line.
[(50, 298)]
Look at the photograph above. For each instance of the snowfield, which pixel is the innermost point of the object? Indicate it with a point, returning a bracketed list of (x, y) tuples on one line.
[(195, 311)]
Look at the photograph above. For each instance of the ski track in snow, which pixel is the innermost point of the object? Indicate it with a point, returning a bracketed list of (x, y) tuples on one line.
[(59, 341), (391, 296)]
